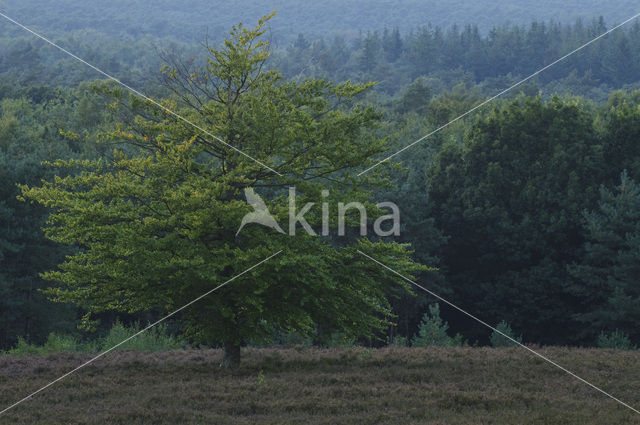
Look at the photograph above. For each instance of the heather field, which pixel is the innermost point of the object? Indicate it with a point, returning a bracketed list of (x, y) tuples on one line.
[(450, 385)]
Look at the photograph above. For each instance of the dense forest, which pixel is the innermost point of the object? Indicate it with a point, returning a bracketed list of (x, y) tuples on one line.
[(435, 57), (529, 209), (188, 21)]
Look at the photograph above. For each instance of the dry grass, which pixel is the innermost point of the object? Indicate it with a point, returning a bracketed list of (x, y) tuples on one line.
[(339, 386)]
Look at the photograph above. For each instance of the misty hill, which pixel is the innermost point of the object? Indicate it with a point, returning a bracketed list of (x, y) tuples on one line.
[(188, 20)]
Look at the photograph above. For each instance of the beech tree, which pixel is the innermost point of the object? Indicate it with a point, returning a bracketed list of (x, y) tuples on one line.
[(155, 223)]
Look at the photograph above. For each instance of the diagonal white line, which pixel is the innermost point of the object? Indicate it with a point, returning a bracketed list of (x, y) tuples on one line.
[(501, 333), (137, 93), (135, 335), (500, 94)]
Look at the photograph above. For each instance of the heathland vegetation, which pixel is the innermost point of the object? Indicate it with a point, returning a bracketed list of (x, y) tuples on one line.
[(394, 385)]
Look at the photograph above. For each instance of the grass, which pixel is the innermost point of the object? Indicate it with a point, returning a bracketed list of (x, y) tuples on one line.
[(394, 385)]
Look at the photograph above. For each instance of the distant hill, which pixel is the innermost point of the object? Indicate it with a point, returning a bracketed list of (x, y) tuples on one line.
[(188, 20)]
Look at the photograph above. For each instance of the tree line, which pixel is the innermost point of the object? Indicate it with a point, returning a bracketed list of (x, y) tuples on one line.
[(463, 54)]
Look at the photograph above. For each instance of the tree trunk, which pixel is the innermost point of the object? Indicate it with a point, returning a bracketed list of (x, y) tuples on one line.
[(231, 359)]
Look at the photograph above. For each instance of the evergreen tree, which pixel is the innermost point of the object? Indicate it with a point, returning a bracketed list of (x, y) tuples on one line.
[(369, 56), (433, 331), (392, 44), (607, 277)]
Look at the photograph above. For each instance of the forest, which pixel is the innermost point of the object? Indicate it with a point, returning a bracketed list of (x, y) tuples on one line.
[(189, 21), (526, 213)]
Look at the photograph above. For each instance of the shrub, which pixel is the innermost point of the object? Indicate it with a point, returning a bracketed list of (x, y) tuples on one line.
[(400, 341), (499, 340), (23, 347), (55, 343), (617, 340), (458, 340), (340, 340), (155, 339), (433, 331)]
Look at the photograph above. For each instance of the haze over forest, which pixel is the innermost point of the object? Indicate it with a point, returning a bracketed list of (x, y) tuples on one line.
[(189, 20)]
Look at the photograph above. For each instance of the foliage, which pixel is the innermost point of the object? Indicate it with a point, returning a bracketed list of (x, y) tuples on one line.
[(607, 284), (55, 343), (498, 339), (463, 54), (616, 340), (156, 222), (445, 53), (621, 128), (261, 379), (29, 135), (400, 341), (509, 198), (416, 98), (156, 338), (332, 17), (433, 331), (497, 199)]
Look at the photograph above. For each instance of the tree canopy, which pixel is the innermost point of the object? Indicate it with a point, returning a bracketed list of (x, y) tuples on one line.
[(510, 199), (155, 223)]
